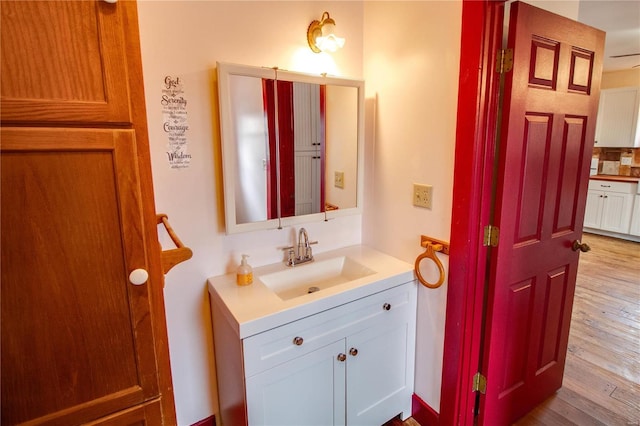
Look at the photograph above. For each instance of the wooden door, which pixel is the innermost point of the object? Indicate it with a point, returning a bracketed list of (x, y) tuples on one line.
[(548, 126), (63, 61), (77, 339)]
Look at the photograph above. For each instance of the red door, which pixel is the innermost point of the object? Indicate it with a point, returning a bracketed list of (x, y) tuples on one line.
[(547, 133)]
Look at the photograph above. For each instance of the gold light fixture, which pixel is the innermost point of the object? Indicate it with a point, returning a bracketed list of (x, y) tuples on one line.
[(321, 35)]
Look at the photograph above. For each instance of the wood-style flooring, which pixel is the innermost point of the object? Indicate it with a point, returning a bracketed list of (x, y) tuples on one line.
[(602, 373)]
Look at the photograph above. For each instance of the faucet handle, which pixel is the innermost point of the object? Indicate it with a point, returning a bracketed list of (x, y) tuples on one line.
[(313, 242), (291, 255)]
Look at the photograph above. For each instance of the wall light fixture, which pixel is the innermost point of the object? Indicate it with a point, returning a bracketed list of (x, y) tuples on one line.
[(321, 35)]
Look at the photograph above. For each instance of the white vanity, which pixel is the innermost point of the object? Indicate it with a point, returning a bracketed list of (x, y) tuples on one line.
[(342, 354)]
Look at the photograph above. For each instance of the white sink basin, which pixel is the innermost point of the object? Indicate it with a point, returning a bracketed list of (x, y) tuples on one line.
[(315, 276)]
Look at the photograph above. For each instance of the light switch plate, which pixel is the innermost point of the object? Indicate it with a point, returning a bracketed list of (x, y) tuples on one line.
[(338, 179)]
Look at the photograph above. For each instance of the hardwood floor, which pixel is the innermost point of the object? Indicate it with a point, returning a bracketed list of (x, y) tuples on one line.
[(602, 373)]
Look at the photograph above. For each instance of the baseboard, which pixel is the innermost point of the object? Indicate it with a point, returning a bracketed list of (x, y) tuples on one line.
[(423, 413), (209, 421)]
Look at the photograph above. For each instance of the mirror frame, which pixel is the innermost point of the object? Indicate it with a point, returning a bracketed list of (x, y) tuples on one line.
[(228, 144)]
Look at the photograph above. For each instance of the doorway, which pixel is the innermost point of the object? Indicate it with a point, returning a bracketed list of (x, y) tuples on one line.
[(602, 376), (531, 306)]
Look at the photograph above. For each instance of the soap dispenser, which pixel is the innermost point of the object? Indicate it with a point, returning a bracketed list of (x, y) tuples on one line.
[(245, 273)]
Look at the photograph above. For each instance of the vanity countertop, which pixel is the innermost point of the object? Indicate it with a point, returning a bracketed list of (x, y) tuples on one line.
[(615, 178), (255, 308)]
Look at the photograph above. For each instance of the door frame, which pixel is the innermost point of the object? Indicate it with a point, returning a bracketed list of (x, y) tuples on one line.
[(477, 123)]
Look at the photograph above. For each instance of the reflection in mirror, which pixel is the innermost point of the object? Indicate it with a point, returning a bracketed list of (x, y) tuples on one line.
[(247, 110), (292, 146)]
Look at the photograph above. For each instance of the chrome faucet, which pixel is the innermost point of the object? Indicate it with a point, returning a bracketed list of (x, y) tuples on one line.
[(304, 253)]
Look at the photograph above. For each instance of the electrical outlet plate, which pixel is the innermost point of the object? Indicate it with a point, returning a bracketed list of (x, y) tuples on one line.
[(422, 195), (338, 181)]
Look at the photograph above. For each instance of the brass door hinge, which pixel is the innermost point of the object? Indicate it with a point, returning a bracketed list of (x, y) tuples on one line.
[(504, 61), (491, 236), (479, 383)]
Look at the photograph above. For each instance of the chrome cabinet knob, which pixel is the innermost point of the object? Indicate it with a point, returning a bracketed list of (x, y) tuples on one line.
[(353, 352), (298, 341), (341, 357)]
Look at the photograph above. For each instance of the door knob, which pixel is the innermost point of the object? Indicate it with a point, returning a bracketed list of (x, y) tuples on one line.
[(138, 276), (583, 247)]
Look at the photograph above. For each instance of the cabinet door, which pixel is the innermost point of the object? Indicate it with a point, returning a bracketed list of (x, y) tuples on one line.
[(634, 229), (617, 123), (593, 211), (308, 390), (76, 336), (63, 61), (616, 212), (379, 372)]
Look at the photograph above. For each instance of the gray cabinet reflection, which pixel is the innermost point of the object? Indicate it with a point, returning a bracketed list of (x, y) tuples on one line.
[(291, 146)]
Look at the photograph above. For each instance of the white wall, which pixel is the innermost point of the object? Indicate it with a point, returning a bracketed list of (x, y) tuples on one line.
[(185, 39), (412, 54)]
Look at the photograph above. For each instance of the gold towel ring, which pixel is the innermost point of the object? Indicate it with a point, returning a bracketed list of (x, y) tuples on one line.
[(432, 246)]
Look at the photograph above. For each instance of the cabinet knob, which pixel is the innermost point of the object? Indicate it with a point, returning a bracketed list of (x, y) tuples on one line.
[(583, 247), (386, 306), (353, 352), (341, 357), (138, 276), (298, 341)]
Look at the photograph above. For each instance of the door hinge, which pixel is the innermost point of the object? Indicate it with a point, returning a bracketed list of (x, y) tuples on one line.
[(504, 61), (479, 383), (491, 235)]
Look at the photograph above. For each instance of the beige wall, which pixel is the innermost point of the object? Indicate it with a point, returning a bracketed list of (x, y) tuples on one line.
[(412, 54), (185, 39), (624, 78)]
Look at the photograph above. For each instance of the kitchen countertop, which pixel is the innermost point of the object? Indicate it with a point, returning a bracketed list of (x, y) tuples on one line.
[(616, 178)]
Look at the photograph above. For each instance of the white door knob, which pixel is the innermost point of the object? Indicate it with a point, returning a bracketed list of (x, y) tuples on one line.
[(138, 276)]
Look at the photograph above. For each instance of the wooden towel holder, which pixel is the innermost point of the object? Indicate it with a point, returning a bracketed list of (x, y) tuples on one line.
[(431, 246), (171, 258)]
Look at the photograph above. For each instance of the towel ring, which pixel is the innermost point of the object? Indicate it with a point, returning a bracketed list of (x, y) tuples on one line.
[(431, 247)]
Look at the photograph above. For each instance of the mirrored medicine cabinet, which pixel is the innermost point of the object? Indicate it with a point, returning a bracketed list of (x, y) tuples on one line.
[(292, 146)]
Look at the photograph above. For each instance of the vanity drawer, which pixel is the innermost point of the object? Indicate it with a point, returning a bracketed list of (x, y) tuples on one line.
[(281, 344), (611, 186)]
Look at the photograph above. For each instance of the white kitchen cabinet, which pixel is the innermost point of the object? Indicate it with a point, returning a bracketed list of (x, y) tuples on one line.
[(609, 206), (634, 229), (617, 122), (352, 364)]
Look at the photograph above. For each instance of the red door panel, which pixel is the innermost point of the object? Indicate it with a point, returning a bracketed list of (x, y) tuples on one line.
[(548, 125)]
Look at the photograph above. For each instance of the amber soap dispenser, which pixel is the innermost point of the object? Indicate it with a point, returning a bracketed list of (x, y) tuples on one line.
[(245, 273)]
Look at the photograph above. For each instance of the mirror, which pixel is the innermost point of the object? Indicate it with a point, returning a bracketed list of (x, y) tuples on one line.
[(291, 145)]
